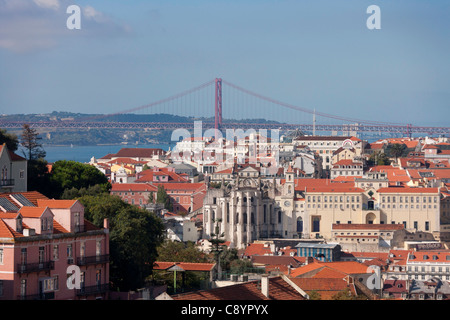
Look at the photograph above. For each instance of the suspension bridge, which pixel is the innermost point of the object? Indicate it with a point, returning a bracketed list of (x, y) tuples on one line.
[(222, 105)]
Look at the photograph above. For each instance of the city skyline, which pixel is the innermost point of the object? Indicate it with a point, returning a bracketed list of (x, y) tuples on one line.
[(317, 55)]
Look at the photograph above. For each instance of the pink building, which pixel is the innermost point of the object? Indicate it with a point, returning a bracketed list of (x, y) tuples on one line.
[(40, 239)]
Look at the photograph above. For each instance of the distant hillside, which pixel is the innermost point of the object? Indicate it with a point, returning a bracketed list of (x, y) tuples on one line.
[(162, 117)]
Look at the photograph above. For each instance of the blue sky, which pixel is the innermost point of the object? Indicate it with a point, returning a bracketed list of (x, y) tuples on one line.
[(312, 54)]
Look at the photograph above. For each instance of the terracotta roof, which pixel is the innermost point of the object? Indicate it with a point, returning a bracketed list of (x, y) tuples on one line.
[(7, 232), (182, 186), (57, 228), (430, 256), (257, 249), (32, 212), (276, 260), (347, 162), (357, 226), (347, 267), (407, 190), (279, 289), (32, 196), (56, 204), (326, 287), (133, 187), (187, 266), (138, 152), (336, 187)]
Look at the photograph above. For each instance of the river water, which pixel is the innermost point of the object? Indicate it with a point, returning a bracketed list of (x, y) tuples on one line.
[(85, 153)]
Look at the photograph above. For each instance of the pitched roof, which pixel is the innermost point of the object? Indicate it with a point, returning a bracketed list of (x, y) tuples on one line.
[(7, 232), (407, 190), (326, 287), (32, 212), (32, 196), (347, 267), (133, 187), (56, 204), (364, 226), (138, 152), (257, 249), (279, 289), (186, 266)]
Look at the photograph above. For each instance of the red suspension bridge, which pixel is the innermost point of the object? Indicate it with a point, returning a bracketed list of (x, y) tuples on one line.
[(244, 109)]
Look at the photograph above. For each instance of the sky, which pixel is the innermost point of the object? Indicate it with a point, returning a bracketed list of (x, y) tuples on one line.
[(312, 54)]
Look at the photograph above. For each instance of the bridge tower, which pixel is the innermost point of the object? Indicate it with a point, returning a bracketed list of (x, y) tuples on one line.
[(218, 106)]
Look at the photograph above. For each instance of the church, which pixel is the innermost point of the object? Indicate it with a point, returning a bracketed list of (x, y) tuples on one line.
[(251, 207)]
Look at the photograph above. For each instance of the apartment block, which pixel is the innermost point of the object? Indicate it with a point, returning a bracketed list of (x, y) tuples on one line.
[(40, 239)]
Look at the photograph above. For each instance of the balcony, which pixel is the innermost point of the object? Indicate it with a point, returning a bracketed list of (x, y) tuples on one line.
[(35, 267), (80, 228), (90, 290), (370, 207), (7, 183), (40, 296), (83, 261)]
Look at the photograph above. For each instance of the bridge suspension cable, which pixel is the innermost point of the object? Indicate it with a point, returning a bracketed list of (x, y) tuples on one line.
[(322, 114)]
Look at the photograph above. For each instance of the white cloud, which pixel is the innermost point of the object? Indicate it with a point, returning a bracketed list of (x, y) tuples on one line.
[(90, 13), (39, 24), (48, 4)]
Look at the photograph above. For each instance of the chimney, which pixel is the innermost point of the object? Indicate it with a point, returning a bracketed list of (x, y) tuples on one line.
[(106, 223), (265, 285)]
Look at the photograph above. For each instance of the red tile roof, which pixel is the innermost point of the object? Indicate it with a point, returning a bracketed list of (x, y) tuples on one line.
[(279, 289), (32, 212), (133, 187), (187, 266), (32, 196), (347, 267), (138, 152), (407, 190), (257, 249), (325, 287), (357, 226), (7, 232), (56, 204)]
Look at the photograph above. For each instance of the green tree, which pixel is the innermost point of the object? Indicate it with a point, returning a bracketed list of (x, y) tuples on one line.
[(71, 174), (135, 235), (39, 177), (174, 251), (11, 140), (314, 295), (163, 197), (396, 150), (379, 158), (31, 143), (240, 266)]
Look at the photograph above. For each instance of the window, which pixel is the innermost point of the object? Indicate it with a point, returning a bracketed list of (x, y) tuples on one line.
[(41, 254), (23, 287), (98, 248), (56, 283), (427, 225), (69, 254), (82, 249), (1, 255), (55, 252)]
